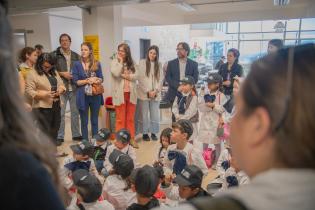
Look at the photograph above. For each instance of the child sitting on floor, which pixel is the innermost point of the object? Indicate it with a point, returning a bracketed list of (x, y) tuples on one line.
[(89, 190), (79, 160), (145, 185), (122, 144), (101, 145)]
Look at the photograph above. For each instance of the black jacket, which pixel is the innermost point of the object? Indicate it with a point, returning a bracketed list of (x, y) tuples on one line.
[(61, 65), (202, 193), (172, 76), (236, 70), (152, 204)]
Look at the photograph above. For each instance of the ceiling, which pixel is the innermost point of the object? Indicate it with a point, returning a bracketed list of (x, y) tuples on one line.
[(167, 12), (23, 6)]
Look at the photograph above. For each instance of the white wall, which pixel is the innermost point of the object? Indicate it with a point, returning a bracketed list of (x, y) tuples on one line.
[(59, 25), (165, 37), (39, 23)]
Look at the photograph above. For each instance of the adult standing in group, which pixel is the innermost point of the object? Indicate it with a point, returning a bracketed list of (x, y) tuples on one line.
[(65, 58), (178, 68), (45, 87), (86, 72), (124, 95), (29, 172), (149, 76), (230, 70), (28, 58)]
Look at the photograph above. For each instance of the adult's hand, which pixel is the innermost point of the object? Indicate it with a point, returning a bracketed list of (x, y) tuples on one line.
[(66, 75)]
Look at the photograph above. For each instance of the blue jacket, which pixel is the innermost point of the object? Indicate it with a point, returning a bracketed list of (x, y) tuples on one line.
[(172, 76), (79, 74)]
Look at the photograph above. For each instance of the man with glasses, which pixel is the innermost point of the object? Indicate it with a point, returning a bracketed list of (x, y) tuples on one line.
[(177, 69), (65, 58)]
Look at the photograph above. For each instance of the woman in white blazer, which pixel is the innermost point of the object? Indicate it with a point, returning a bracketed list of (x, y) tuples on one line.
[(149, 76), (123, 71)]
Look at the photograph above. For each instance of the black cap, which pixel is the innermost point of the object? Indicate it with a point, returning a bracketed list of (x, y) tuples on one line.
[(185, 125), (214, 78), (122, 163), (146, 181), (123, 135), (91, 186), (187, 80), (83, 148), (102, 135), (191, 175)]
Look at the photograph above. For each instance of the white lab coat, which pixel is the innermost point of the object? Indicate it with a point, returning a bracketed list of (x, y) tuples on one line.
[(129, 150), (114, 191), (192, 154), (65, 173), (209, 120), (98, 205), (189, 113)]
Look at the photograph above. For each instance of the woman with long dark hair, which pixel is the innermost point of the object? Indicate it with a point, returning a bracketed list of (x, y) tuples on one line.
[(149, 77), (86, 72), (230, 70), (29, 169), (124, 94), (44, 86)]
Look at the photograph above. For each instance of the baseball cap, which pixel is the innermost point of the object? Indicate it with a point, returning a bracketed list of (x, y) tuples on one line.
[(146, 181), (122, 163), (214, 78), (123, 135), (185, 125), (187, 80), (191, 175), (91, 186), (102, 135), (83, 148)]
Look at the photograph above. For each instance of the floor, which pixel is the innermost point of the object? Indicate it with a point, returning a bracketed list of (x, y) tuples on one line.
[(145, 154)]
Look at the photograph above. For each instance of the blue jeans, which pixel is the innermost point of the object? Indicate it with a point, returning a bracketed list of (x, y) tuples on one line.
[(149, 116), (93, 105), (75, 129)]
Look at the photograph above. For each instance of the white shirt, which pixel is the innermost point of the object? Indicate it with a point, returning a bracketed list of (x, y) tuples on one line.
[(192, 154), (129, 150), (114, 191), (65, 173), (182, 68), (98, 205)]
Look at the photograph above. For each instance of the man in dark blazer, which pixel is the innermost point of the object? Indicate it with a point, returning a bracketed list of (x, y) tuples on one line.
[(178, 69)]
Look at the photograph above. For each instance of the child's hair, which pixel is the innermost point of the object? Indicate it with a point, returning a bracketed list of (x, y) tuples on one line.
[(85, 194), (146, 181), (166, 133)]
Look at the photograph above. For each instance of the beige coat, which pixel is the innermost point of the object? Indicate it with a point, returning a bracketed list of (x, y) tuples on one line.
[(146, 84), (36, 83), (117, 83)]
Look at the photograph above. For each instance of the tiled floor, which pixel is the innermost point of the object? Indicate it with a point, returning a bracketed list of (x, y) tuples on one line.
[(145, 154)]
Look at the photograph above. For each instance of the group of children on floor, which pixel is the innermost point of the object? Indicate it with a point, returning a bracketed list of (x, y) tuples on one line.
[(106, 175)]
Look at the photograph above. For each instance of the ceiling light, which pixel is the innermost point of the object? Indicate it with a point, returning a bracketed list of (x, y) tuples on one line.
[(281, 2), (184, 6)]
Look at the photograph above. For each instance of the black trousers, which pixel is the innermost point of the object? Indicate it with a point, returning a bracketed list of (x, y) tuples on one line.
[(48, 120)]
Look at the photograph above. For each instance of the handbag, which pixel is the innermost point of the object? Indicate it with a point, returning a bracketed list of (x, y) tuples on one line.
[(94, 89), (97, 89)]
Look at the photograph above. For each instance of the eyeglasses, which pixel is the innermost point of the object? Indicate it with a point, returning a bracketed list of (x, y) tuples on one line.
[(288, 96), (179, 49)]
